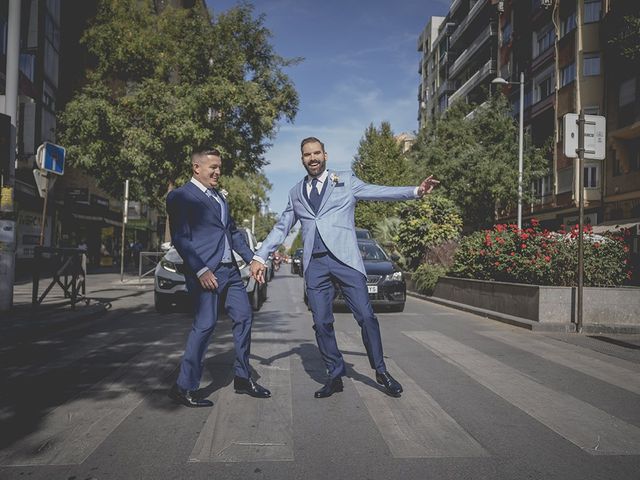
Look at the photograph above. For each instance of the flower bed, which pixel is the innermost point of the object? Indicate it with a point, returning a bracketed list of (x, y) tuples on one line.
[(536, 256)]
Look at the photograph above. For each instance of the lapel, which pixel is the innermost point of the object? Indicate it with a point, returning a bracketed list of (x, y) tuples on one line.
[(327, 190), (202, 197), (302, 193)]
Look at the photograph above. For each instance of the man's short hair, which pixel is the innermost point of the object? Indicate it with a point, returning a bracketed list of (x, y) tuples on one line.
[(311, 140), (200, 153)]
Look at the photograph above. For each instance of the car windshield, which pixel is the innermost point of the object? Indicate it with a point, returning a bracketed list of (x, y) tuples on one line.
[(372, 251), (362, 233), (298, 253)]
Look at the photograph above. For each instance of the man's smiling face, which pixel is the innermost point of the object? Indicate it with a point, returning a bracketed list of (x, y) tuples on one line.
[(314, 158)]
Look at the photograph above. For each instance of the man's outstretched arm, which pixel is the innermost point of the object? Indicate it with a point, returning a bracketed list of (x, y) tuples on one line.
[(275, 238), (367, 191)]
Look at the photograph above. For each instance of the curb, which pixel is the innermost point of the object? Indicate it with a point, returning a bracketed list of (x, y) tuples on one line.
[(502, 317)]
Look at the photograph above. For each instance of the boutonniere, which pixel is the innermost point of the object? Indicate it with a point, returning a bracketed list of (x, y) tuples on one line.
[(334, 178), (224, 193)]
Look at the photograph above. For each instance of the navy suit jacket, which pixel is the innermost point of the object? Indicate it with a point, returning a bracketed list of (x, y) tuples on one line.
[(198, 232)]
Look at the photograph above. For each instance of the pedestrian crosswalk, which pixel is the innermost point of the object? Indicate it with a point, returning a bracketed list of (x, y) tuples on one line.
[(242, 429)]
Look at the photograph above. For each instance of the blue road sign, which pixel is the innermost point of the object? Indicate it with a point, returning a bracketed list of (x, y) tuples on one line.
[(52, 158)]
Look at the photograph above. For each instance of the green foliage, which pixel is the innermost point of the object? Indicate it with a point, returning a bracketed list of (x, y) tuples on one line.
[(623, 27), (297, 243), (426, 223), (379, 161), (539, 257), (476, 159), (167, 82), (426, 277)]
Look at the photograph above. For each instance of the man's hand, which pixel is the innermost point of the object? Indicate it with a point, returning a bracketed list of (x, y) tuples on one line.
[(257, 271), (427, 186), (208, 280)]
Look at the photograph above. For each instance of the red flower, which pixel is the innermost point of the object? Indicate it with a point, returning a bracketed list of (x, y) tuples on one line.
[(497, 264), (547, 258), (596, 245), (513, 254), (535, 222), (523, 246)]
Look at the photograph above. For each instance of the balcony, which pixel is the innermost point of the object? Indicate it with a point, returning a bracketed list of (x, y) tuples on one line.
[(486, 34), (446, 86), (542, 106), (475, 80), (543, 59), (473, 14)]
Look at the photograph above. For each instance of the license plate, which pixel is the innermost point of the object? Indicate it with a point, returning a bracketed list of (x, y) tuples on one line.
[(372, 288)]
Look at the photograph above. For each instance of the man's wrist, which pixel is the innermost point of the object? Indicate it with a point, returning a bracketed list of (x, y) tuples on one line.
[(416, 192), (259, 259), (202, 271)]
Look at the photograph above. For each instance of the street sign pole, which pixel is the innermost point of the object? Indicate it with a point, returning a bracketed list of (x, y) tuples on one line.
[(580, 151), (124, 225), (45, 191)]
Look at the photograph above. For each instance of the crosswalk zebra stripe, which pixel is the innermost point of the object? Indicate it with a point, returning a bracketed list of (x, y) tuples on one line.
[(71, 432), (622, 374), (584, 425), (414, 425), (241, 428)]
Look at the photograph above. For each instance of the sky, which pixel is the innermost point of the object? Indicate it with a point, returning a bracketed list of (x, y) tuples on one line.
[(360, 67)]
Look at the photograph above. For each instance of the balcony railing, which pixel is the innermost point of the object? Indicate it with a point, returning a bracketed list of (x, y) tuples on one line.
[(473, 13), (486, 34), (446, 86), (473, 82)]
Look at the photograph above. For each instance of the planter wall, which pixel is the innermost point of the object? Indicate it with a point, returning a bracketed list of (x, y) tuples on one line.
[(544, 304)]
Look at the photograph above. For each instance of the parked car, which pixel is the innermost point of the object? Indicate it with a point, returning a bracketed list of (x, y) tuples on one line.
[(170, 287), (296, 262), (385, 282), (363, 233)]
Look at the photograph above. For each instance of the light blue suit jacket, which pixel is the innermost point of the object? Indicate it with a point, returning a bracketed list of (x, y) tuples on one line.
[(335, 218)]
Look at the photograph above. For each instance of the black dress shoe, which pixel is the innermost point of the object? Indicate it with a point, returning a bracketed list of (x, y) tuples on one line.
[(187, 398), (248, 386), (389, 383), (332, 386)]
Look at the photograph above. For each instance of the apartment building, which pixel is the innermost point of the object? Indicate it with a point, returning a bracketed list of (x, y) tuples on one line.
[(459, 57)]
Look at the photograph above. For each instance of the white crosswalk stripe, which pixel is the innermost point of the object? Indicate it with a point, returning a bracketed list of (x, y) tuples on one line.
[(414, 425), (71, 432), (584, 425), (241, 428), (623, 374)]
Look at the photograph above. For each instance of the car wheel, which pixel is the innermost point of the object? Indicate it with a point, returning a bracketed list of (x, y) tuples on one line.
[(162, 302), (263, 293), (255, 298)]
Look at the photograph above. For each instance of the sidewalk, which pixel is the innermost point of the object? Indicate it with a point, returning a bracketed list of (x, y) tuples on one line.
[(55, 312)]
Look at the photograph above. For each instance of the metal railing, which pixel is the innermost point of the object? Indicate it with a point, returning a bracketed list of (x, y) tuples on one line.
[(146, 260), (68, 267)]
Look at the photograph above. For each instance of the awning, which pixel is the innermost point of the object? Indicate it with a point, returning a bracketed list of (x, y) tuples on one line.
[(95, 218), (615, 225)]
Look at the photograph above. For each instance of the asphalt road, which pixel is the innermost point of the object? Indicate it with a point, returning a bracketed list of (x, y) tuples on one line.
[(482, 400)]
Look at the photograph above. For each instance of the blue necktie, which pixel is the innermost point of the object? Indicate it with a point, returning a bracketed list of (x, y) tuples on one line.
[(314, 195), (217, 200)]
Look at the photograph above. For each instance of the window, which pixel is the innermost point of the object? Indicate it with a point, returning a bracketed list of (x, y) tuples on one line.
[(568, 74), (442, 104), (568, 24), (591, 64), (592, 11), (544, 39), (542, 186), (590, 178), (565, 180), (627, 92), (28, 65), (507, 30), (592, 110), (543, 88)]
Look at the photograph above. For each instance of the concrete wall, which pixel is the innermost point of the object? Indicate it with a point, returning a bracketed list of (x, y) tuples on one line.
[(609, 306)]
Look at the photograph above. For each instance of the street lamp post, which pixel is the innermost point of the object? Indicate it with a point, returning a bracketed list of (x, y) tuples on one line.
[(502, 81)]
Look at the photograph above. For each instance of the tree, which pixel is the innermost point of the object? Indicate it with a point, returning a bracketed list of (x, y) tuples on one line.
[(476, 159), (167, 82), (380, 161), (623, 29)]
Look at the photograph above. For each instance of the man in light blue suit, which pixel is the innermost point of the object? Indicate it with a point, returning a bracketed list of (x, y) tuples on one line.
[(204, 234), (324, 202)]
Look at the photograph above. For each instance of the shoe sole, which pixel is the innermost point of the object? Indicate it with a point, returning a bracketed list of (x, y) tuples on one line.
[(244, 392), (337, 390), (393, 394)]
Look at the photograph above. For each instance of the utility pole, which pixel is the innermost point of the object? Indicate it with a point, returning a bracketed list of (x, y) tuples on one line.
[(7, 185), (125, 212)]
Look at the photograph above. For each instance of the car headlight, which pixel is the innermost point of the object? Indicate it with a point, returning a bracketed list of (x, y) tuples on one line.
[(395, 276), (168, 266)]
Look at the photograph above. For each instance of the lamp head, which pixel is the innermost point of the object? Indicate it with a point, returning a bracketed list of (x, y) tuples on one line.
[(499, 81)]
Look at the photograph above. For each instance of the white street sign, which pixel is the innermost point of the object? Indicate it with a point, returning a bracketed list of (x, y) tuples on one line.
[(594, 136)]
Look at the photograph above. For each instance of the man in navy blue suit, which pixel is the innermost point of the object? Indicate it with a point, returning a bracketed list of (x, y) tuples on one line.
[(204, 234)]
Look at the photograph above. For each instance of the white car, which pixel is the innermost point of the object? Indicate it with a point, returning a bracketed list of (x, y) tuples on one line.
[(170, 287)]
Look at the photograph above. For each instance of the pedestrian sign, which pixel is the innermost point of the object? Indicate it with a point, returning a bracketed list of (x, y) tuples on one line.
[(50, 157)]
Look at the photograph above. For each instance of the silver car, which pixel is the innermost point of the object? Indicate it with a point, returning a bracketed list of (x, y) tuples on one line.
[(170, 287)]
